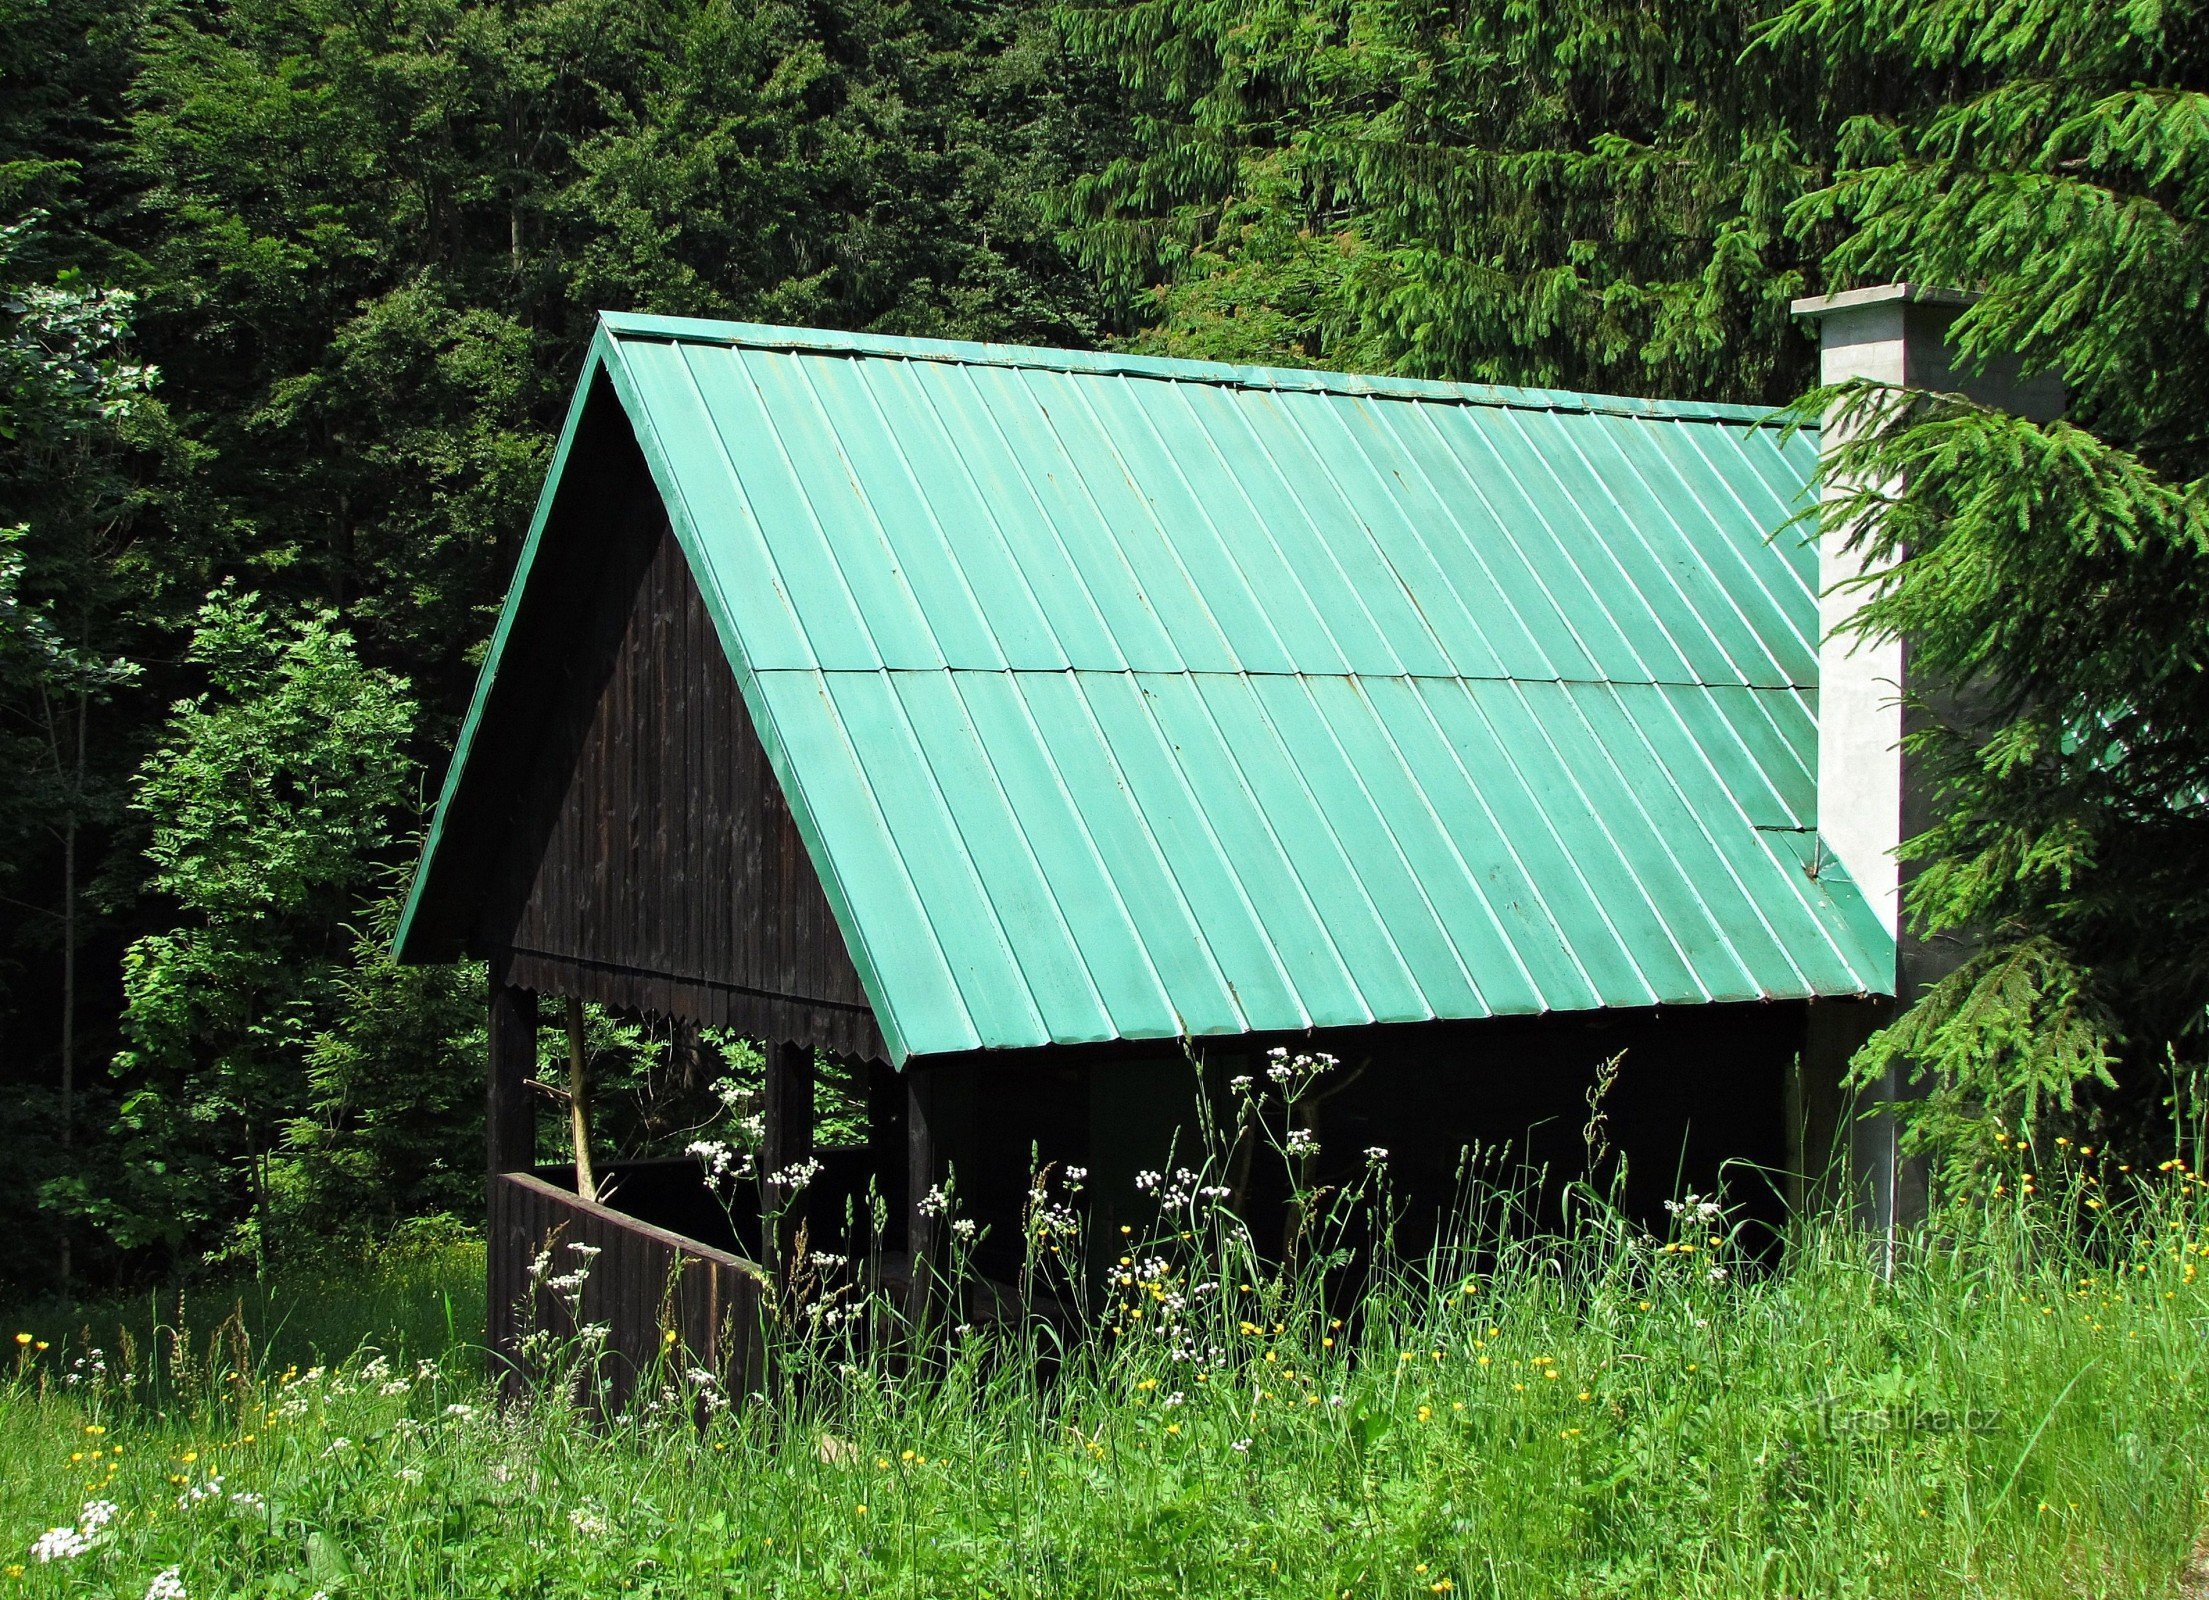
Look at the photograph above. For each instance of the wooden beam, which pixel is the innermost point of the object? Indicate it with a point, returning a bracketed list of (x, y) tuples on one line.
[(786, 1142), (509, 1111)]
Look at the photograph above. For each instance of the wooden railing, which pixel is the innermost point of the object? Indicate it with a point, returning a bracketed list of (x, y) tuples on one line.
[(644, 1283)]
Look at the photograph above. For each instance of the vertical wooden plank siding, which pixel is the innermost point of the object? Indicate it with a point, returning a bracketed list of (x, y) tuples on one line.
[(658, 867)]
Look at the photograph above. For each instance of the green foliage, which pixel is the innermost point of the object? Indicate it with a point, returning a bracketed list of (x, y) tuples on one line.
[(379, 233), (271, 797), (2058, 573), (362, 245), (393, 1120), (2008, 1414), (1588, 194)]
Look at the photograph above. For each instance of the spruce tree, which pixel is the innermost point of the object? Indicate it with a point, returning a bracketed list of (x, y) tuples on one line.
[(2057, 575)]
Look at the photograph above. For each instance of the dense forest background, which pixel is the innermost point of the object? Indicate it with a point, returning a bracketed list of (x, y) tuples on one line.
[(293, 291)]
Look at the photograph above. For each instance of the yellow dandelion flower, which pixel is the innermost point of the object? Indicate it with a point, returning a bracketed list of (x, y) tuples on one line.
[(22, 1338)]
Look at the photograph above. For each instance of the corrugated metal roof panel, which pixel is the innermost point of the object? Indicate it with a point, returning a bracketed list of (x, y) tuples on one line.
[(1127, 698)]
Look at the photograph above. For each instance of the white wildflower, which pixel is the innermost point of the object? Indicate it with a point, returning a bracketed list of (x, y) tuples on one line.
[(168, 1584), (588, 1521), (795, 1176), (1698, 1209), (60, 1544), (1376, 1153), (718, 1156)]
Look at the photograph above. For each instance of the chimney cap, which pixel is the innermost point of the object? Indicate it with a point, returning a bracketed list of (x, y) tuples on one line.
[(1881, 294)]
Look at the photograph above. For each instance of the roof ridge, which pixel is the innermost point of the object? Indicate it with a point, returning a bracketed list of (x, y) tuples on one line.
[(1406, 673), (1310, 380)]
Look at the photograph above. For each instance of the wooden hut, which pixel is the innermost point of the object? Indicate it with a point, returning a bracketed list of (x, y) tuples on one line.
[(1014, 722)]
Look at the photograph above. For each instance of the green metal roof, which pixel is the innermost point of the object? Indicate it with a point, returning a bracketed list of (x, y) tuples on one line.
[(1127, 698)]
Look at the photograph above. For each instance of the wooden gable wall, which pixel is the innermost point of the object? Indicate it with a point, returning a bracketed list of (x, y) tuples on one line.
[(657, 867)]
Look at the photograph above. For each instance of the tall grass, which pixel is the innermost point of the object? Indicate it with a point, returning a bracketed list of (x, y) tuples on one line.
[(2014, 1410)]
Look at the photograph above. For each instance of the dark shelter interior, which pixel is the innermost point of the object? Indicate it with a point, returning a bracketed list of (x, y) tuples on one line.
[(1692, 1099)]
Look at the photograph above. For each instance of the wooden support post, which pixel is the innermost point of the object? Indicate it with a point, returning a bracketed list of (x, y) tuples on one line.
[(510, 1140), (923, 1173), (510, 1115), (886, 1145), (786, 1142)]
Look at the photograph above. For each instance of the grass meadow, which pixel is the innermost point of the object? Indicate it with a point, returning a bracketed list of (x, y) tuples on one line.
[(2013, 1406)]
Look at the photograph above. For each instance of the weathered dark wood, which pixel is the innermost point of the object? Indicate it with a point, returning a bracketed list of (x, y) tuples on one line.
[(786, 1142), (886, 1140), (652, 862), (510, 1117), (924, 1172), (644, 1283)]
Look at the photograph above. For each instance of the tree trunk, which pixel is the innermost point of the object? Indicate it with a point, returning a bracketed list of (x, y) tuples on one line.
[(579, 1101)]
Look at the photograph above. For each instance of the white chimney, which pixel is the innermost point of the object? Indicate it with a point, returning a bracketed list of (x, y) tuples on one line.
[(1896, 333)]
